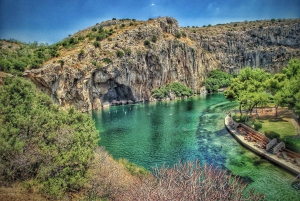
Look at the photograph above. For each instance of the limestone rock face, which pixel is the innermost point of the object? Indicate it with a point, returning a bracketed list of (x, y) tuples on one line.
[(269, 47), (91, 77)]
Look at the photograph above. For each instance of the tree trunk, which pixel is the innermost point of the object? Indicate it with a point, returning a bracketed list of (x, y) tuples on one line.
[(276, 106), (240, 108)]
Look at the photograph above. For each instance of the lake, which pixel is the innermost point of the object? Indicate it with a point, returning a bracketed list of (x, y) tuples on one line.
[(166, 132)]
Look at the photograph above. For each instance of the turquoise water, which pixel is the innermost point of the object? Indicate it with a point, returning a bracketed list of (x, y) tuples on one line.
[(166, 132)]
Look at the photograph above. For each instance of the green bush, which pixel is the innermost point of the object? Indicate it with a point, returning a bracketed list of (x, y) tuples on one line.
[(272, 134), (119, 53), (257, 125), (243, 118), (178, 35), (154, 39), (107, 60), (56, 146), (178, 89), (96, 44), (146, 43), (133, 169), (291, 145), (217, 79)]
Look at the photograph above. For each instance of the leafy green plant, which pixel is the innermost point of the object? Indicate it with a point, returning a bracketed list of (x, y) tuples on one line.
[(119, 53), (96, 44), (178, 89), (107, 60), (154, 39), (178, 35), (217, 79), (146, 42), (62, 62), (257, 125), (272, 134)]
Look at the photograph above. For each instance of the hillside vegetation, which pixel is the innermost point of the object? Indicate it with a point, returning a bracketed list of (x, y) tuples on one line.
[(172, 90), (41, 142)]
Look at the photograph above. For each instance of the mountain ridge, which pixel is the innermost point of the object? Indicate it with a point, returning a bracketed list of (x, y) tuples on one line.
[(122, 61)]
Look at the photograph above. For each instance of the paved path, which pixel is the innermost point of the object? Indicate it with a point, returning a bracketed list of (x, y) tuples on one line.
[(292, 167)]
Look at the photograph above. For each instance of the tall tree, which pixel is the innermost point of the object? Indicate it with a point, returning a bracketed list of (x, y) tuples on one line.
[(248, 88)]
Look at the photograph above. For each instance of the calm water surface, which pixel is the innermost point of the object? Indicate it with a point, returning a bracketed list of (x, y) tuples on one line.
[(166, 132)]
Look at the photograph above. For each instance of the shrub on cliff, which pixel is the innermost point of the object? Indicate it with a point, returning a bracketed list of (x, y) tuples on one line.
[(41, 142), (179, 90), (217, 79), (96, 44), (15, 57), (119, 53)]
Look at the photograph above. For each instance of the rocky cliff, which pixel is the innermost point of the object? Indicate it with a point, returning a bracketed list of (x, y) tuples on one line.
[(126, 59)]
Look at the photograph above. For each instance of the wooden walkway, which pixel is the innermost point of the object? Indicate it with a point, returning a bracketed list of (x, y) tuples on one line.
[(257, 142)]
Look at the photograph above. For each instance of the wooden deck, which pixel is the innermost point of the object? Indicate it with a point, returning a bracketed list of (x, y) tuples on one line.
[(256, 142)]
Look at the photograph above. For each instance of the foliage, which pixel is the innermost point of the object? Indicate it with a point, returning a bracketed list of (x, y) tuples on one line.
[(154, 39), (102, 34), (179, 90), (272, 134), (290, 92), (249, 88), (119, 53), (191, 181), (146, 42), (39, 141), (96, 44), (178, 35), (217, 79), (257, 125), (62, 62), (15, 57), (133, 169), (107, 60)]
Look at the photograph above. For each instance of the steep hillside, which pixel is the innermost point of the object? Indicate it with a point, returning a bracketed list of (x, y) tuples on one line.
[(121, 61), (265, 44)]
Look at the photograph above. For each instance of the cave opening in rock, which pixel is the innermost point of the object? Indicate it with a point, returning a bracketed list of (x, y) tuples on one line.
[(119, 92)]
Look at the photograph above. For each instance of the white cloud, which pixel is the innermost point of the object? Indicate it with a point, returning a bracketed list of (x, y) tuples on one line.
[(152, 4)]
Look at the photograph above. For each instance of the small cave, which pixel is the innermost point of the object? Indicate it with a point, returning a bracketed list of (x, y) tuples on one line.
[(120, 94)]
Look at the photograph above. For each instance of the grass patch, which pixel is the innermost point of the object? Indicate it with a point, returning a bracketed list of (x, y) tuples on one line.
[(133, 169), (285, 128)]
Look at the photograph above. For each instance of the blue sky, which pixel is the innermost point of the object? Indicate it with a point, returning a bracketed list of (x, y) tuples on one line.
[(52, 20)]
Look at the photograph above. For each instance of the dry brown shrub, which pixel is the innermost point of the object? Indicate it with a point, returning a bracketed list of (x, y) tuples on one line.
[(108, 178), (190, 181)]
